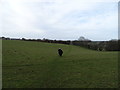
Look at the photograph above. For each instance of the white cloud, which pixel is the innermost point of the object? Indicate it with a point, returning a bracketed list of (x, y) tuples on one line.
[(60, 19)]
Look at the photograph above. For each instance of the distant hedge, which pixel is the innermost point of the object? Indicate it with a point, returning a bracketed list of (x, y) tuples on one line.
[(99, 45), (112, 45)]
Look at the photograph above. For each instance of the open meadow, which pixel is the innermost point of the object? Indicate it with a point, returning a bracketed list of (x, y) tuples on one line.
[(27, 64)]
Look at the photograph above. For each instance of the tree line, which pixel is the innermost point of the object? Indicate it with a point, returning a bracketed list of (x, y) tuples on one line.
[(111, 45), (99, 45)]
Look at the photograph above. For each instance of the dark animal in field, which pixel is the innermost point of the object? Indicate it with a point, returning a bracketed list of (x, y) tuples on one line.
[(60, 52)]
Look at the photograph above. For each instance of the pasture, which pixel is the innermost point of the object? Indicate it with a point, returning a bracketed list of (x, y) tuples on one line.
[(27, 64)]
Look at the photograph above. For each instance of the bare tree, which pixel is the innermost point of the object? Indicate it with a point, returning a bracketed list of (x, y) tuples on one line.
[(81, 38)]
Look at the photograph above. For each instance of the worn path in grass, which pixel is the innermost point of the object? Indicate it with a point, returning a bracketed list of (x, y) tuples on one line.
[(53, 70)]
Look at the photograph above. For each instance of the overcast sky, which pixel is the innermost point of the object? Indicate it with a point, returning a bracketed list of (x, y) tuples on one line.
[(60, 19)]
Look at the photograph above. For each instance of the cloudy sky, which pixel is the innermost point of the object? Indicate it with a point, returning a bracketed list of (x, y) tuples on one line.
[(60, 19)]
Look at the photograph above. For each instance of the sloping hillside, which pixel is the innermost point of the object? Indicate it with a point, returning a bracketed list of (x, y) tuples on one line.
[(37, 65)]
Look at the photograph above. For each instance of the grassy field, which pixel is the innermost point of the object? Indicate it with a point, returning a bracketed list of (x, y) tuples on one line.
[(28, 64)]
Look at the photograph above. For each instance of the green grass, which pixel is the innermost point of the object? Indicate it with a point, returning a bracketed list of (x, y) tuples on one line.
[(28, 64)]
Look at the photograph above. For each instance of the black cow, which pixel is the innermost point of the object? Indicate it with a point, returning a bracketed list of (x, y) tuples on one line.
[(60, 52)]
